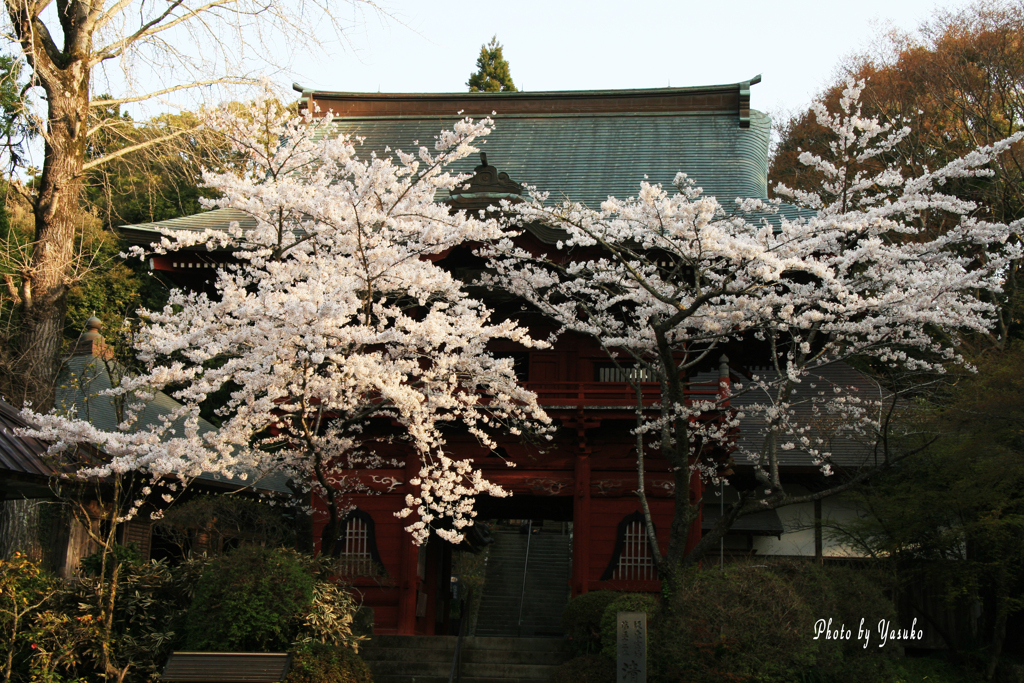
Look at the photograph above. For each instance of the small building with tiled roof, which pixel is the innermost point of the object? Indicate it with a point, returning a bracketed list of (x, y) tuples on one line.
[(30, 476)]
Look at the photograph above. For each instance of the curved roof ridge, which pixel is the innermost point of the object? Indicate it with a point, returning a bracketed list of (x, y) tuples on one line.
[(537, 93)]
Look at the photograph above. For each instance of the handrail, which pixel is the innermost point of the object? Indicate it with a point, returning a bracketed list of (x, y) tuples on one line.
[(526, 563), (456, 672)]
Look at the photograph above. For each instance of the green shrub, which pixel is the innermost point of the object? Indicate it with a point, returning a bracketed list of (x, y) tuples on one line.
[(585, 669), (144, 617), (930, 670), (26, 594), (125, 555), (332, 618), (630, 602), (756, 623), (250, 600), (581, 620), (743, 624), (845, 594), (318, 663)]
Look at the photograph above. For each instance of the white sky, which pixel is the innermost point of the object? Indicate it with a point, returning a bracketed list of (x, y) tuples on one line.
[(432, 46), (605, 44)]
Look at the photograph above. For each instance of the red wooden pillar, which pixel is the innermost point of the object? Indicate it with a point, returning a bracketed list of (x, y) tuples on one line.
[(428, 625), (696, 483), (408, 580), (581, 526)]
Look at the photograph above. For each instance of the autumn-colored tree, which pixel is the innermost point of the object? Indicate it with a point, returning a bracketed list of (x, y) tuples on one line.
[(960, 82), (492, 74)]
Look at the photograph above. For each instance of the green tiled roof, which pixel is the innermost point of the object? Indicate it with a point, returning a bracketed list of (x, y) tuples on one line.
[(218, 219), (80, 386), (587, 157)]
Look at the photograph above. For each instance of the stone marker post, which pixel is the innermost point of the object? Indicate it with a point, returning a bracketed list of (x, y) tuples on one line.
[(631, 641)]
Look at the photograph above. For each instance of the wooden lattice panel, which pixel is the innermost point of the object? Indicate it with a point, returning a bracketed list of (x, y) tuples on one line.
[(635, 561)]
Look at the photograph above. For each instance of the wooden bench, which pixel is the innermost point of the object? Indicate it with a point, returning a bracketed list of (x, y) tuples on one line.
[(226, 667)]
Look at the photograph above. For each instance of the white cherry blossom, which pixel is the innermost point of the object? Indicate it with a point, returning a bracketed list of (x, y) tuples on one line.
[(334, 343), (667, 279)]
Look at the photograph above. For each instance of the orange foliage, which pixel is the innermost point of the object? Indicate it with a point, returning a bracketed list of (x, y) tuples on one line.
[(958, 82)]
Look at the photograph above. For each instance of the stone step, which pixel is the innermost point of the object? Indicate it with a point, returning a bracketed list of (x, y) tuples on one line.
[(464, 679), (534, 551), (428, 659), (524, 632), (514, 584), (471, 669), (470, 656), (514, 564), (516, 592), (547, 628), (471, 642), (511, 612), (540, 598)]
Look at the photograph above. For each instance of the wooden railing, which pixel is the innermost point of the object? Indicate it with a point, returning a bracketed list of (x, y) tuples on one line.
[(611, 394)]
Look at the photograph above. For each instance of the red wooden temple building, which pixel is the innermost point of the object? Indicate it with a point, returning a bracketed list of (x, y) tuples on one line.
[(586, 146)]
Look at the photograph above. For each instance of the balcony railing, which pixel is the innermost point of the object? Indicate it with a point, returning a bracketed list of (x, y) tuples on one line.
[(611, 394)]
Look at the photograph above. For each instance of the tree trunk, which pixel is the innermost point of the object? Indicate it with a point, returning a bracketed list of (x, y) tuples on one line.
[(57, 219), (1002, 599), (64, 75), (19, 529), (676, 443)]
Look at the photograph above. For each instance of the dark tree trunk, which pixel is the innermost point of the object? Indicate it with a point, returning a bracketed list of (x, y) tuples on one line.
[(64, 76)]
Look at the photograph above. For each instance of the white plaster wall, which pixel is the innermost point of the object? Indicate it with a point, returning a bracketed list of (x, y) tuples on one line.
[(798, 521)]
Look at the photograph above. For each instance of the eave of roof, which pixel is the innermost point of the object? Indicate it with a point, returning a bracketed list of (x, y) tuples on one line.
[(721, 87), (144, 234), (708, 98), (25, 462), (21, 453)]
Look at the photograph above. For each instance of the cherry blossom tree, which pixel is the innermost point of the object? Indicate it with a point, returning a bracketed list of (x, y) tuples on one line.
[(335, 339), (666, 281)]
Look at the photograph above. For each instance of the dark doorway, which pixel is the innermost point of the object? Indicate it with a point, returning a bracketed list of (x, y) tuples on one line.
[(528, 566)]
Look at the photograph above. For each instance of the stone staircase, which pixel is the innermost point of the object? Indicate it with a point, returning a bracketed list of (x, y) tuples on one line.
[(545, 594), (428, 659)]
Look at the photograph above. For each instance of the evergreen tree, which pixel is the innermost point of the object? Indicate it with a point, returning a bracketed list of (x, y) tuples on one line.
[(492, 70), (15, 127)]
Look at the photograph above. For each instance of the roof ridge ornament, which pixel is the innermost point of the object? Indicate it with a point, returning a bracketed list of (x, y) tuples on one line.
[(744, 104), (91, 343), (487, 186)]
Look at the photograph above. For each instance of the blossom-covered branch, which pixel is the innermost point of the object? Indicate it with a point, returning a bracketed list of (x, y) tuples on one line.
[(335, 343), (669, 281)]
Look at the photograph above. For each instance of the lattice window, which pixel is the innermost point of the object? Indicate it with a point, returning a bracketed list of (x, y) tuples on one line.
[(357, 555), (635, 560)]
